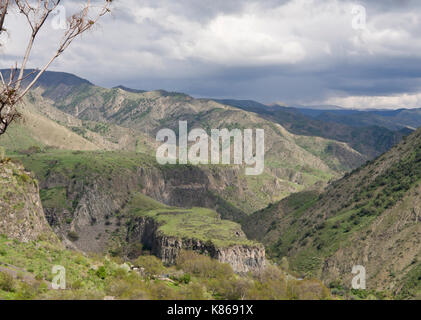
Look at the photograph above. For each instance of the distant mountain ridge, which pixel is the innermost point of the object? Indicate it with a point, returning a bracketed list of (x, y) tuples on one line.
[(92, 151), (77, 115), (129, 89), (377, 132), (317, 107), (49, 78), (371, 139)]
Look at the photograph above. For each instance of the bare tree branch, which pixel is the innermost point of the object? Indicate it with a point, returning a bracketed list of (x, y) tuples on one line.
[(4, 5), (11, 92), (36, 24)]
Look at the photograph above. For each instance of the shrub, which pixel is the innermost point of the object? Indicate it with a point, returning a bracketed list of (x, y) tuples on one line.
[(77, 285), (135, 250), (193, 292), (185, 278), (39, 277), (73, 236), (232, 289), (26, 291), (308, 290), (152, 265), (7, 283), (101, 272), (160, 291), (203, 266)]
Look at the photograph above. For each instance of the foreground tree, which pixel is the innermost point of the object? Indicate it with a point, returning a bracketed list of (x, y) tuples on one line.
[(36, 13)]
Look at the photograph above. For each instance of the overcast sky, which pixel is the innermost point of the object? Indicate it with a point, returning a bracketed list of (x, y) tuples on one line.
[(295, 52)]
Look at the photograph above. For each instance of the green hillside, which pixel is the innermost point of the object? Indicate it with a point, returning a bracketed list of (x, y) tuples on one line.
[(369, 217), (76, 115), (195, 223), (369, 133), (25, 274)]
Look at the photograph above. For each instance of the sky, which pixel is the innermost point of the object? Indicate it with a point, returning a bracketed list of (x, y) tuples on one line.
[(355, 54)]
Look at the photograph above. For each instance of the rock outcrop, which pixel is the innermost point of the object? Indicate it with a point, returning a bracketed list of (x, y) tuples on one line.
[(93, 202), (21, 213), (242, 258)]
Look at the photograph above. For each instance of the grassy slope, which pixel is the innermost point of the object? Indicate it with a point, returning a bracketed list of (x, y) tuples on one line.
[(26, 273), (76, 115), (86, 167), (37, 130), (370, 214), (370, 135), (46, 127), (151, 111), (196, 223)]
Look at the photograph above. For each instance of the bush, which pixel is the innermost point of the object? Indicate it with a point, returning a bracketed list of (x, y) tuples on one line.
[(39, 277), (135, 250), (185, 278), (193, 292), (203, 266), (160, 291), (101, 272), (77, 285), (231, 289), (7, 283), (152, 265), (308, 290), (73, 236), (26, 291)]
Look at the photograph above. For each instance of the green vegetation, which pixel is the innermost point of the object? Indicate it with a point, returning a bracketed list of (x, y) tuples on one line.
[(18, 139), (151, 265), (305, 227), (80, 165), (26, 273), (54, 198), (371, 212), (412, 282), (369, 201), (391, 186), (195, 223)]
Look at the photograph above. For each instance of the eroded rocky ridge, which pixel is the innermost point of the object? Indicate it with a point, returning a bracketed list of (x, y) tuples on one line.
[(92, 205), (242, 258), (21, 213)]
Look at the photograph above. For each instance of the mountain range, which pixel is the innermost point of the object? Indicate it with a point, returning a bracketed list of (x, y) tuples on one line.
[(340, 187), (370, 217)]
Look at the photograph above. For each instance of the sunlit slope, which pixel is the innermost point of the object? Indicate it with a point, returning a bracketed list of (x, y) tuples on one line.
[(370, 217)]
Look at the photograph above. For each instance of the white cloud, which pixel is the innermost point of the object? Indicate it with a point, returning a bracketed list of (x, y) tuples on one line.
[(378, 102), (184, 41)]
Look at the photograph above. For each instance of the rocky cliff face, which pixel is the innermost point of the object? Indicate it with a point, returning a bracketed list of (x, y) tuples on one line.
[(90, 205), (21, 213), (242, 258)]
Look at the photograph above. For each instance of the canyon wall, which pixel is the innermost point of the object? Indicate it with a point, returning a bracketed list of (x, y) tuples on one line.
[(21, 213), (242, 258), (93, 202)]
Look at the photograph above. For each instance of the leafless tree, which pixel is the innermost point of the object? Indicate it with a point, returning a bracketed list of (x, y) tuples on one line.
[(4, 4), (36, 12)]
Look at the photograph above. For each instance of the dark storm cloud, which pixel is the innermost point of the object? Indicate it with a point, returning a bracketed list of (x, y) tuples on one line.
[(206, 10), (296, 51)]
